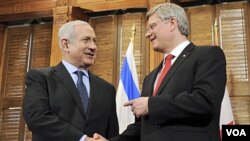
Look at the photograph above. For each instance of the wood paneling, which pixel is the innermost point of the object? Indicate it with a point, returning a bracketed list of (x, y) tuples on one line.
[(234, 33), (90, 1), (10, 124), (201, 21), (13, 86), (61, 16), (241, 109), (41, 45), (153, 3), (226, 25), (17, 50), (106, 32), (23, 43), (28, 15), (233, 41), (2, 31), (40, 53), (21, 6), (114, 33), (105, 5)]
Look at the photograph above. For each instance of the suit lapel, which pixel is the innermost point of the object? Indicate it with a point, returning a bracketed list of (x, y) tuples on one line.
[(65, 78), (95, 97), (184, 54), (152, 77)]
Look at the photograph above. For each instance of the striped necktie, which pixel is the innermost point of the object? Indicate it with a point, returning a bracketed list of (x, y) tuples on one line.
[(82, 90)]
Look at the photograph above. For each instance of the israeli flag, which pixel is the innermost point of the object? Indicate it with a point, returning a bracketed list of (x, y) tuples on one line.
[(128, 89)]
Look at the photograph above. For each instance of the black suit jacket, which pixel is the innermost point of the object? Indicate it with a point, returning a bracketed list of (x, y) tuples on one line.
[(53, 110), (187, 105)]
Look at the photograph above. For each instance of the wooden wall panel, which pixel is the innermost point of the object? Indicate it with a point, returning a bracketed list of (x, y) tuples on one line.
[(105, 5), (2, 31), (23, 43), (13, 88), (60, 16), (41, 45), (226, 25), (241, 109), (10, 124), (17, 44), (18, 6), (153, 3), (114, 33), (233, 39), (105, 63), (233, 42), (40, 54), (89, 1), (201, 20)]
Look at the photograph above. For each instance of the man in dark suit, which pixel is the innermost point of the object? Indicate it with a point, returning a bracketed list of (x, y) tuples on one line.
[(52, 106), (185, 106)]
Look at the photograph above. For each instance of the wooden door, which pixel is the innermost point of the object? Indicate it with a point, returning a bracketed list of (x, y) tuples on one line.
[(25, 47), (226, 25), (234, 39)]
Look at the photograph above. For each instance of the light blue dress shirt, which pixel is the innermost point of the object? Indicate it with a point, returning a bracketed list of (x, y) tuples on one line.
[(71, 69)]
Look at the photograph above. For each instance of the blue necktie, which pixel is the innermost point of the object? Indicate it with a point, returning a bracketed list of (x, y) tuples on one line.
[(82, 90)]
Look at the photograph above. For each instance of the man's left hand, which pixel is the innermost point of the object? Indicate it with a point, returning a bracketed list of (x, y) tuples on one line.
[(139, 106)]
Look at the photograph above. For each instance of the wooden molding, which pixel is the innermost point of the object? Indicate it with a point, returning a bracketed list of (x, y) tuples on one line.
[(28, 15), (77, 13), (102, 5), (26, 6), (62, 3), (153, 3), (61, 16)]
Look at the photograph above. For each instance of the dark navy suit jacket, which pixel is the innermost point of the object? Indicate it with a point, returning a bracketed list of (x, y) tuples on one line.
[(187, 105), (53, 110)]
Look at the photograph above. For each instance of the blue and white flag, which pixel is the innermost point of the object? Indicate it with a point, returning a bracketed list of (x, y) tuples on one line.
[(128, 89)]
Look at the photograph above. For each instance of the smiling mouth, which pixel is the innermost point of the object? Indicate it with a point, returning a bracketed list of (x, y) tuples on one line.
[(90, 54), (152, 39)]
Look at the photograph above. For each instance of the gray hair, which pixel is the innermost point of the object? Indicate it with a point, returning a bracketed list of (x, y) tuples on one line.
[(66, 31), (168, 10)]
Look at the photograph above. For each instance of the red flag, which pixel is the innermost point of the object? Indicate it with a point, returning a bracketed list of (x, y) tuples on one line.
[(226, 114)]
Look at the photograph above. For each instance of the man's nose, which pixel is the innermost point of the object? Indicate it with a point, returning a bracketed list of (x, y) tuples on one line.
[(148, 33)]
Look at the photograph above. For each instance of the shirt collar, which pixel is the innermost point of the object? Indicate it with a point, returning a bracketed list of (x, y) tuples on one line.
[(71, 68), (177, 51)]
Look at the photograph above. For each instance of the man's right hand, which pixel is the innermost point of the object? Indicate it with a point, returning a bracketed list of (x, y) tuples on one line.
[(96, 137)]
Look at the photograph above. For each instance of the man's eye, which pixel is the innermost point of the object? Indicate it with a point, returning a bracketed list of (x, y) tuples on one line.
[(85, 40), (153, 25)]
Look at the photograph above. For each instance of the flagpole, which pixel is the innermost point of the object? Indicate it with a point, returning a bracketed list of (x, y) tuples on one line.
[(216, 32), (128, 88), (133, 30)]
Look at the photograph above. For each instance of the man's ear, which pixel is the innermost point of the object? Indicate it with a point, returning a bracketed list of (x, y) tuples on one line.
[(173, 22), (64, 44)]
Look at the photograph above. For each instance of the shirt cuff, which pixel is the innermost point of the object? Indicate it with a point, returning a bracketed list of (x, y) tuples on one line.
[(83, 138)]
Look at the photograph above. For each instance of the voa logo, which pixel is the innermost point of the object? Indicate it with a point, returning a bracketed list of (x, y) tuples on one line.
[(236, 132)]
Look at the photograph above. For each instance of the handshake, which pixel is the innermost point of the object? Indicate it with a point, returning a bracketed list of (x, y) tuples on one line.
[(139, 107), (96, 137)]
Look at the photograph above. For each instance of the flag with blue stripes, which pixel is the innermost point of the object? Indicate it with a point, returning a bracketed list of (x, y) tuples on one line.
[(128, 89)]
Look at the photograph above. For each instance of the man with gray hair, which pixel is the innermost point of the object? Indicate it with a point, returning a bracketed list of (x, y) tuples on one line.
[(181, 98), (67, 102)]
